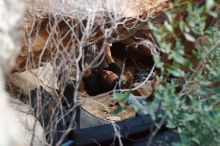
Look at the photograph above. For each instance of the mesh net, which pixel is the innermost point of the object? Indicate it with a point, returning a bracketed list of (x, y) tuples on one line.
[(56, 36)]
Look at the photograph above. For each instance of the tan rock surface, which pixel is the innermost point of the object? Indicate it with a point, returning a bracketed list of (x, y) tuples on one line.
[(48, 23)]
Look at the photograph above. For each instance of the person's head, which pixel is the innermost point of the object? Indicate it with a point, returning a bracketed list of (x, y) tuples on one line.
[(109, 78)]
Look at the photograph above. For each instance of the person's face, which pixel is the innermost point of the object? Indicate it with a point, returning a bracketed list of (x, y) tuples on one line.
[(109, 77)]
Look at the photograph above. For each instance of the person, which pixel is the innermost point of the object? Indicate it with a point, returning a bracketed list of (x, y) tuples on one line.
[(105, 79), (98, 81)]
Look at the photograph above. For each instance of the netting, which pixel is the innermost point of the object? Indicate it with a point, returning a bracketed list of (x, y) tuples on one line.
[(57, 37)]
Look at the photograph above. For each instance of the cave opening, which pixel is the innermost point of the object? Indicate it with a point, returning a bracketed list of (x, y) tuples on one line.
[(132, 57)]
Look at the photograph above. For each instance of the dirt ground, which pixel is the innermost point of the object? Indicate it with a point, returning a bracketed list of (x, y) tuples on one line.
[(102, 107)]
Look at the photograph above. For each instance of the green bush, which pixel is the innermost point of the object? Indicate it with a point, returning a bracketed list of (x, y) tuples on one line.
[(189, 43)]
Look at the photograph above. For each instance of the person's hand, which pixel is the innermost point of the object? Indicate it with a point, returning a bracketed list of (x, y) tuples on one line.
[(108, 54), (107, 50)]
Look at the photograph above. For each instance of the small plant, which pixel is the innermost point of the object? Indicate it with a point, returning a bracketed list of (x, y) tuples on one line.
[(190, 71)]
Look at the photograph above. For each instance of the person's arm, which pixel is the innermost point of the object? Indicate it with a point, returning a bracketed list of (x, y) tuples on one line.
[(108, 55), (112, 65)]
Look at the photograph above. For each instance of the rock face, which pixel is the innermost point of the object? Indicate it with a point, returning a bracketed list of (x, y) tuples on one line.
[(65, 28), (122, 8), (13, 130), (9, 40)]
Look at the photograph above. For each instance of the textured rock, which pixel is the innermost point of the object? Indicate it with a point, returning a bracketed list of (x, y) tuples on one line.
[(48, 31)]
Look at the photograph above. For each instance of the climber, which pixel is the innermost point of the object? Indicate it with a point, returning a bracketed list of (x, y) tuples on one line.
[(97, 81)]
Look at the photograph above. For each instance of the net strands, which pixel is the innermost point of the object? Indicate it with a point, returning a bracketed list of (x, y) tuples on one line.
[(61, 40)]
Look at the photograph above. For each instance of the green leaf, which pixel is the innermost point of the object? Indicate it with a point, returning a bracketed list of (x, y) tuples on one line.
[(181, 26), (177, 72), (213, 14), (195, 139), (177, 57), (168, 26), (169, 16), (120, 96), (170, 124), (117, 110), (189, 37), (209, 4), (158, 62)]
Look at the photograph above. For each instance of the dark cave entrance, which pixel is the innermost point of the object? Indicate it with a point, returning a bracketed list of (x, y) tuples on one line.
[(132, 57)]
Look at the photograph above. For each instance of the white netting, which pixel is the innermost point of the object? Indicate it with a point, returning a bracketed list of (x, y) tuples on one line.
[(59, 33)]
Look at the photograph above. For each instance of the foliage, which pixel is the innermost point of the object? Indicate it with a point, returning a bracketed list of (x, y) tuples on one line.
[(190, 48)]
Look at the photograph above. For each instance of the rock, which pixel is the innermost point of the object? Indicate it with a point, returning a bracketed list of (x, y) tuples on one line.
[(48, 34)]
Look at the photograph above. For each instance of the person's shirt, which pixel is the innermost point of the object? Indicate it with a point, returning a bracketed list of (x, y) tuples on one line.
[(93, 84)]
